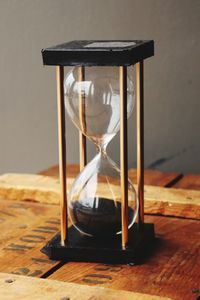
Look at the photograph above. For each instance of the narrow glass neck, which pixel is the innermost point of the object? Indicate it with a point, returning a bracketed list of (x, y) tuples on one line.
[(102, 148), (103, 143)]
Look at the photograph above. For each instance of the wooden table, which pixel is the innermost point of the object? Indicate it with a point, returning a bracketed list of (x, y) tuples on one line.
[(171, 270)]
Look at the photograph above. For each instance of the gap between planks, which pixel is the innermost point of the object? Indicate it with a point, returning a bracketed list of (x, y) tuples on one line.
[(22, 288)]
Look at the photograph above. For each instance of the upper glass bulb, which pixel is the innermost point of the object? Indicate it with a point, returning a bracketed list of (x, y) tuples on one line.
[(100, 91)]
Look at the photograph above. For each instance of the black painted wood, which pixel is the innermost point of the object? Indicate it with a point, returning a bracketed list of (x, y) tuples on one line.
[(98, 53), (107, 250)]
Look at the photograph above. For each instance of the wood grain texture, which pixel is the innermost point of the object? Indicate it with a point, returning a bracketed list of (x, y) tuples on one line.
[(25, 228), (30, 187), (190, 181), (45, 189), (172, 202), (171, 270), (151, 177), (23, 288)]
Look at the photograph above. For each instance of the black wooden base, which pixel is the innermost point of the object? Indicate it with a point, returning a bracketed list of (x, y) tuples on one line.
[(88, 249)]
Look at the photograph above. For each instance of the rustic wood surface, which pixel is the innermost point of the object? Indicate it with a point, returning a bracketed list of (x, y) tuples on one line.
[(24, 288), (32, 187), (172, 202), (191, 182), (25, 228), (171, 270), (151, 177), (45, 189)]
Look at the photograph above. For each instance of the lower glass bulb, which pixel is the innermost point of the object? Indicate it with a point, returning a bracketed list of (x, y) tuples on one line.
[(95, 199)]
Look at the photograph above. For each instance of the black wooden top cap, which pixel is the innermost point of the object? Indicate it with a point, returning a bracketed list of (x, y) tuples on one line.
[(98, 53)]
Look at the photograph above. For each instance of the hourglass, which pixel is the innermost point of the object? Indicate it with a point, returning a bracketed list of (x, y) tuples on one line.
[(98, 94)]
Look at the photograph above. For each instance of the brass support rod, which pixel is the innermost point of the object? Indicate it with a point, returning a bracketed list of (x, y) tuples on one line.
[(62, 152), (140, 140), (82, 138), (123, 154)]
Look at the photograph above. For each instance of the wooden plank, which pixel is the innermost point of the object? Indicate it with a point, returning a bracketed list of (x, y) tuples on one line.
[(171, 270), (30, 187), (23, 288), (172, 202), (190, 181), (25, 228), (158, 200), (151, 177)]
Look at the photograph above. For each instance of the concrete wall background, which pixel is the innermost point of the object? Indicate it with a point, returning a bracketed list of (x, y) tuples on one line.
[(28, 119)]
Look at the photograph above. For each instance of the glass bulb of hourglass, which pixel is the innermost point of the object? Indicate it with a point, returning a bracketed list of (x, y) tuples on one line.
[(93, 105)]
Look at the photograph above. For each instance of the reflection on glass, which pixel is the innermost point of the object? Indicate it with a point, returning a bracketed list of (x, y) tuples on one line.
[(93, 105)]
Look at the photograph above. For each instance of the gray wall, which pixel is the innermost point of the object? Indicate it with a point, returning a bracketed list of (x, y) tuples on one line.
[(28, 131)]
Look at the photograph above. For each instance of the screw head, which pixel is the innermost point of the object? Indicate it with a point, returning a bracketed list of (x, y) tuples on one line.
[(9, 280)]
